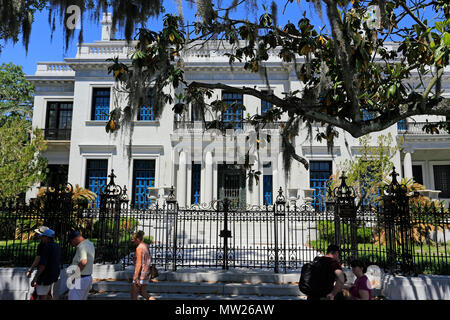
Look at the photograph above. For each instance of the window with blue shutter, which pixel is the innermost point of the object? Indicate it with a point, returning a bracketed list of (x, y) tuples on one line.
[(100, 103), (319, 176), (368, 115), (265, 105), (267, 184), (195, 183), (146, 111), (232, 114), (401, 125), (143, 178), (96, 176)]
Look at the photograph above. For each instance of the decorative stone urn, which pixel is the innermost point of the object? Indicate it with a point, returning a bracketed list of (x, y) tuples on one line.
[(432, 194), (308, 195), (154, 193), (166, 191), (293, 195)]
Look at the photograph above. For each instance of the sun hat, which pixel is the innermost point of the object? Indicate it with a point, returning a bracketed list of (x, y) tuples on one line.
[(48, 233), (41, 229)]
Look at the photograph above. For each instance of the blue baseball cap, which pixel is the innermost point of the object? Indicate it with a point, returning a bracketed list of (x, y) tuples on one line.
[(73, 235), (48, 233)]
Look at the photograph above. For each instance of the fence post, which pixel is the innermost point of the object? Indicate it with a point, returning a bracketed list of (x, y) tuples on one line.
[(58, 214), (279, 211), (397, 222), (330, 209), (110, 207), (225, 233), (123, 204), (345, 210), (172, 216)]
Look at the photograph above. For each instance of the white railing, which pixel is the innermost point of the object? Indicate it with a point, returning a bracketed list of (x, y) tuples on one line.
[(108, 49), (53, 67)]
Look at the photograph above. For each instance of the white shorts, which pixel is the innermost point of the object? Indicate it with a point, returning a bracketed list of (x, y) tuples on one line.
[(141, 282), (81, 289), (43, 290)]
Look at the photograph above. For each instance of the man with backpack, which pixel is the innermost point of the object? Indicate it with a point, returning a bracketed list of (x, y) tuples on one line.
[(323, 278)]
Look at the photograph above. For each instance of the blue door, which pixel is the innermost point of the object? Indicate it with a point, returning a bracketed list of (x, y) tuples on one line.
[(96, 176), (267, 184), (143, 178), (231, 184), (267, 189), (320, 172), (195, 191)]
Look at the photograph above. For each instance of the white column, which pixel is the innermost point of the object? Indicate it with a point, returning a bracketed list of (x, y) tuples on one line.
[(181, 180), (208, 177), (281, 179), (407, 165)]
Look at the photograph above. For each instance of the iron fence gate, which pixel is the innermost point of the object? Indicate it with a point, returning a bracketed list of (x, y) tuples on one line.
[(281, 237)]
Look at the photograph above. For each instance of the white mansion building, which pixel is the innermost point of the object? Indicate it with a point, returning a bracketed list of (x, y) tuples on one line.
[(73, 98)]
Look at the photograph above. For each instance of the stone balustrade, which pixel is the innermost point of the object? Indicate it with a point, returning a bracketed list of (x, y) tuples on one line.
[(53, 67)]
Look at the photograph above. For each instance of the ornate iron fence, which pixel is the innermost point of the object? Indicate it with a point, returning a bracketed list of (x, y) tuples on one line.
[(280, 237)]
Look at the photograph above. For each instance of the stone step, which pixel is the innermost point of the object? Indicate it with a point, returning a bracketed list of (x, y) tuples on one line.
[(263, 289), (178, 296), (196, 275)]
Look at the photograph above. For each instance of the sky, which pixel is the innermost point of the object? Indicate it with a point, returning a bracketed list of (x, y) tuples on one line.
[(43, 48)]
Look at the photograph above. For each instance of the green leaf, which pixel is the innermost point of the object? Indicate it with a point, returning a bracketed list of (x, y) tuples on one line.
[(392, 90), (439, 26), (417, 29), (446, 38)]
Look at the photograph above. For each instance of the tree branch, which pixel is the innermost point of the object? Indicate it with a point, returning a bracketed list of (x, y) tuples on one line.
[(343, 54)]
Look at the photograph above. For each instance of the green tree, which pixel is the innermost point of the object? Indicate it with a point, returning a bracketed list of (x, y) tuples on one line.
[(346, 70), (368, 171), (16, 92), (21, 162)]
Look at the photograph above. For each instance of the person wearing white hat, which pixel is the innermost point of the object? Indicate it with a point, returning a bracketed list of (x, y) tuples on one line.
[(37, 258), (49, 265), (40, 246)]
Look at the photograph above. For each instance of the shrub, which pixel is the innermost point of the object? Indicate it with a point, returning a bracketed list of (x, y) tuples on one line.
[(327, 232), (7, 229), (126, 227)]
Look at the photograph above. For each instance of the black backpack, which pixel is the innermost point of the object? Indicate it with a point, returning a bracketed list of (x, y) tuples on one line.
[(314, 278)]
